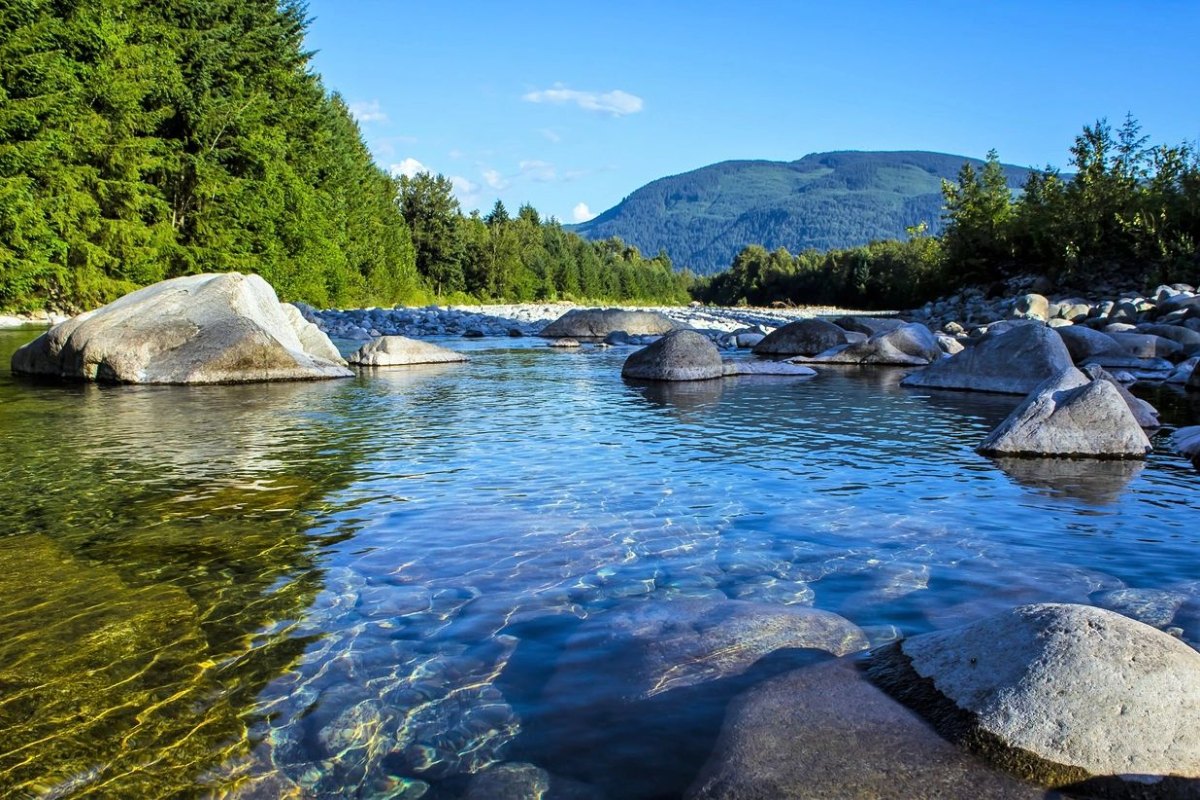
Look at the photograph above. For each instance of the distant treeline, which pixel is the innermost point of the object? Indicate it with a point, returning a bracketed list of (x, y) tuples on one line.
[(1130, 214), (141, 141), (523, 258)]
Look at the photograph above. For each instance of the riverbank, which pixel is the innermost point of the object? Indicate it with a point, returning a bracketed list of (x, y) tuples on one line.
[(529, 318)]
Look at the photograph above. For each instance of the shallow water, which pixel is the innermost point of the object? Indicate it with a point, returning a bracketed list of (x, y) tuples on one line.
[(361, 588)]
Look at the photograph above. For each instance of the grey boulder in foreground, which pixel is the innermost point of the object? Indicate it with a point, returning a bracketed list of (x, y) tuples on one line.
[(1064, 695), (677, 356), (588, 323), (826, 732), (390, 351), (222, 328), (1071, 415), (1015, 361)]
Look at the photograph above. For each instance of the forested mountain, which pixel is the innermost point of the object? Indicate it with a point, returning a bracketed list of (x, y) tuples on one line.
[(703, 218)]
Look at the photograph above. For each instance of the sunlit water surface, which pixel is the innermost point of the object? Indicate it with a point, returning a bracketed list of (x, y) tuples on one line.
[(360, 588)]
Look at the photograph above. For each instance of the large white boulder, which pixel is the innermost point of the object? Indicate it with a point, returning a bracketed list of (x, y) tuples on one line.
[(1060, 693), (390, 351), (1013, 362), (213, 328), (1070, 415)]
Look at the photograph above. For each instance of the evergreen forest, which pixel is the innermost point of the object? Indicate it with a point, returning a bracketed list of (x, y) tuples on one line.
[(145, 140)]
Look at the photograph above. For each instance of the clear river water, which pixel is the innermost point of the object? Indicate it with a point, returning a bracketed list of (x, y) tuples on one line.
[(362, 588)]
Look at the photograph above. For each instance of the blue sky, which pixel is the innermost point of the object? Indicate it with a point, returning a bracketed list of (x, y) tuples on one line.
[(572, 106)]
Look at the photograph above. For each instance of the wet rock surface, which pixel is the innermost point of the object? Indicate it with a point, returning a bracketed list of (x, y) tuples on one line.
[(388, 351)]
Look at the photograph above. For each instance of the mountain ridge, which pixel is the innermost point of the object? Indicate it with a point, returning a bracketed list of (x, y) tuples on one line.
[(842, 198)]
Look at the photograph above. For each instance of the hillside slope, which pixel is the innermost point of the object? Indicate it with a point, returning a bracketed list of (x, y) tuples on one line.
[(704, 217)]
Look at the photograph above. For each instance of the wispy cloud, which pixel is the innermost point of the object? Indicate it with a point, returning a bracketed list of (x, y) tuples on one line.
[(615, 102), (466, 191), (540, 171), (367, 111), (551, 135), (581, 213), (495, 180)]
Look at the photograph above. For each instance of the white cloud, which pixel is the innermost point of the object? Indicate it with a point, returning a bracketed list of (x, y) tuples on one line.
[(408, 167), (616, 102), (540, 171), (494, 179), (367, 111), (581, 213), (466, 191), (551, 135)]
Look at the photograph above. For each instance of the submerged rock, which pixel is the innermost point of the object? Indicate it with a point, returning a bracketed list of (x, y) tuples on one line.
[(1016, 361), (389, 351), (213, 328), (804, 337), (1061, 694), (652, 648), (677, 356), (780, 368), (1070, 415), (826, 732), (600, 322)]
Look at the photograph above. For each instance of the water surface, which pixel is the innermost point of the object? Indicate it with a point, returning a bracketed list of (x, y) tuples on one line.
[(361, 588)]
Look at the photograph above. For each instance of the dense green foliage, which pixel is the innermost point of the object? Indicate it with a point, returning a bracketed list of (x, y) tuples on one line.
[(822, 201), (1129, 214), (523, 258), (143, 140)]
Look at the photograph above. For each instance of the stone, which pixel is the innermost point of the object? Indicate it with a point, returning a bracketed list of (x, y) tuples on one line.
[(1187, 442), (952, 328), (1030, 306), (1185, 337), (1183, 371), (1083, 343), (1145, 414), (564, 344), (1067, 695), (677, 356), (826, 732), (589, 323), (1070, 415), (650, 648), (1194, 381), (949, 345), (737, 367), (804, 337), (391, 351), (1014, 362), (748, 339), (868, 325), (912, 344), (1156, 607), (211, 328), (1145, 345)]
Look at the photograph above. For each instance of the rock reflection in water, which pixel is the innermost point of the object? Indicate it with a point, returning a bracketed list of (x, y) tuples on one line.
[(1092, 480), (682, 396)]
